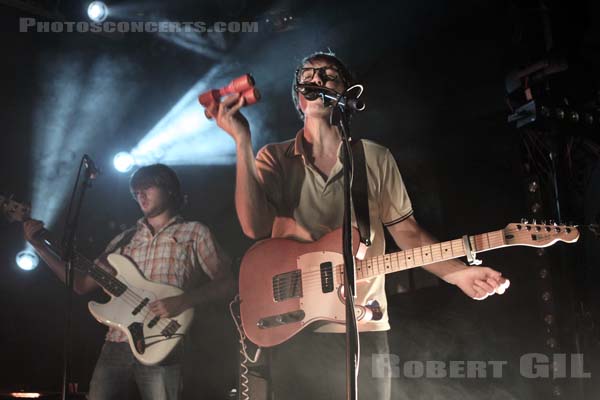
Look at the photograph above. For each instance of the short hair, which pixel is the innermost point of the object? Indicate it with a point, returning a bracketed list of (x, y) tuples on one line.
[(161, 176), (345, 74)]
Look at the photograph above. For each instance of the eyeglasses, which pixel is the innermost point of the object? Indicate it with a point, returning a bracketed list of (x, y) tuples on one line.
[(327, 73)]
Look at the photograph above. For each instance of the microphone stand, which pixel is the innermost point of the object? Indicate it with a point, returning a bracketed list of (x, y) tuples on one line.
[(340, 116), (342, 107), (67, 242)]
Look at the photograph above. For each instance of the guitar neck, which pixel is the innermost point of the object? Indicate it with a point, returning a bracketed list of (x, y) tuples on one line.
[(102, 277), (429, 254)]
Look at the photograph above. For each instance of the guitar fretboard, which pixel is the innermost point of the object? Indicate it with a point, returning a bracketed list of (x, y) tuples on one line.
[(81, 263), (100, 275), (425, 255)]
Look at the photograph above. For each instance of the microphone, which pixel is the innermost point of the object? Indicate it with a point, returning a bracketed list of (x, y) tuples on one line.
[(330, 96), (90, 167)]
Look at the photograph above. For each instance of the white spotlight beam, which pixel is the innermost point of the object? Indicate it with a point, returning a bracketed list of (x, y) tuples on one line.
[(68, 120), (184, 136)]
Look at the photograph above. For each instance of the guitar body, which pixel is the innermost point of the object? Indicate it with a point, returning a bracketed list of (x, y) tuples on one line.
[(149, 342), (286, 285), (271, 311)]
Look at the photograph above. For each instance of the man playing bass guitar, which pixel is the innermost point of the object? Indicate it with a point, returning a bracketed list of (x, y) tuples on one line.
[(167, 250)]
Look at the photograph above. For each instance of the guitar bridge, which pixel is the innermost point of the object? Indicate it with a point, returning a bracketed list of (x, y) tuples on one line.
[(171, 329), (287, 285)]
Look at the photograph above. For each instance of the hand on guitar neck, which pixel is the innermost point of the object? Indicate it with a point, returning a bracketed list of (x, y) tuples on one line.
[(33, 231)]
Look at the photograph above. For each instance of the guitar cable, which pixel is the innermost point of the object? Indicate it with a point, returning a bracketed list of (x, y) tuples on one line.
[(244, 388)]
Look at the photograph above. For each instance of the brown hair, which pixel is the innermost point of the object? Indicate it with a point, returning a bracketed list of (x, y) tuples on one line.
[(161, 176)]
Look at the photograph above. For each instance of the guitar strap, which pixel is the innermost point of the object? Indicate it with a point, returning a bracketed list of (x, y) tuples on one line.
[(360, 192), (123, 242)]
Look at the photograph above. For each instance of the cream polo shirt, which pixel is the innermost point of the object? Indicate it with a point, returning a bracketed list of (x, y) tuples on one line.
[(308, 206)]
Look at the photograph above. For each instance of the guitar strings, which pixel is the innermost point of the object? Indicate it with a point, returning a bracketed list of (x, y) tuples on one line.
[(129, 296), (282, 286), (134, 300), (313, 279), (380, 262)]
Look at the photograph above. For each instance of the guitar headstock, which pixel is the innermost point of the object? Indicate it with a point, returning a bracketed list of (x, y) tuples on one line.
[(13, 210), (539, 235)]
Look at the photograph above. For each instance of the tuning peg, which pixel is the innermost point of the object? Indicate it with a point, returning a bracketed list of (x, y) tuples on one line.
[(524, 221), (543, 222), (534, 222)]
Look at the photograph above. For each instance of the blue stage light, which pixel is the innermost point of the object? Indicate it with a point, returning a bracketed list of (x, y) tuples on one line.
[(97, 11), (123, 161), (27, 260)]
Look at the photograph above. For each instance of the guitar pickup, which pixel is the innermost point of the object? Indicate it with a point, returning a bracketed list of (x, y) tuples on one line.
[(327, 277), (140, 306), (281, 319), (153, 322)]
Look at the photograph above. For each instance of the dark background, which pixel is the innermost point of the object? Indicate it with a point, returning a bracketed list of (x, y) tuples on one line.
[(434, 74)]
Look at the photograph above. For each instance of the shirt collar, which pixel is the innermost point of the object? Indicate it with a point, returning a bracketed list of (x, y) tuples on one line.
[(142, 223), (296, 148)]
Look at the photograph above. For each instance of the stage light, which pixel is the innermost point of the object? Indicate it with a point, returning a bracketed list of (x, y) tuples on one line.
[(27, 260), (97, 11), (123, 161), (25, 395)]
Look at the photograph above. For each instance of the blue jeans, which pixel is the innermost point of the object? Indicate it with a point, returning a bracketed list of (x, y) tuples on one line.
[(117, 373)]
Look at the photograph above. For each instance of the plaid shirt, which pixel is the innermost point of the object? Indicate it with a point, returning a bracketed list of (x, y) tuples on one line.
[(175, 255)]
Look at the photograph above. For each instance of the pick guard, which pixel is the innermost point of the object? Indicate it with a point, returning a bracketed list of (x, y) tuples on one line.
[(119, 312)]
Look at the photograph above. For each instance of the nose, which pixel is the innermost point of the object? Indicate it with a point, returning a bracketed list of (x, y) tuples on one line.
[(317, 80)]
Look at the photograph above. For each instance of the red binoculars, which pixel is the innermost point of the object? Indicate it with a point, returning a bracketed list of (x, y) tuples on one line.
[(244, 85)]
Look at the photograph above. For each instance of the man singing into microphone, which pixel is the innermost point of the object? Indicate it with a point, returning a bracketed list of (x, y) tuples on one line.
[(294, 190)]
